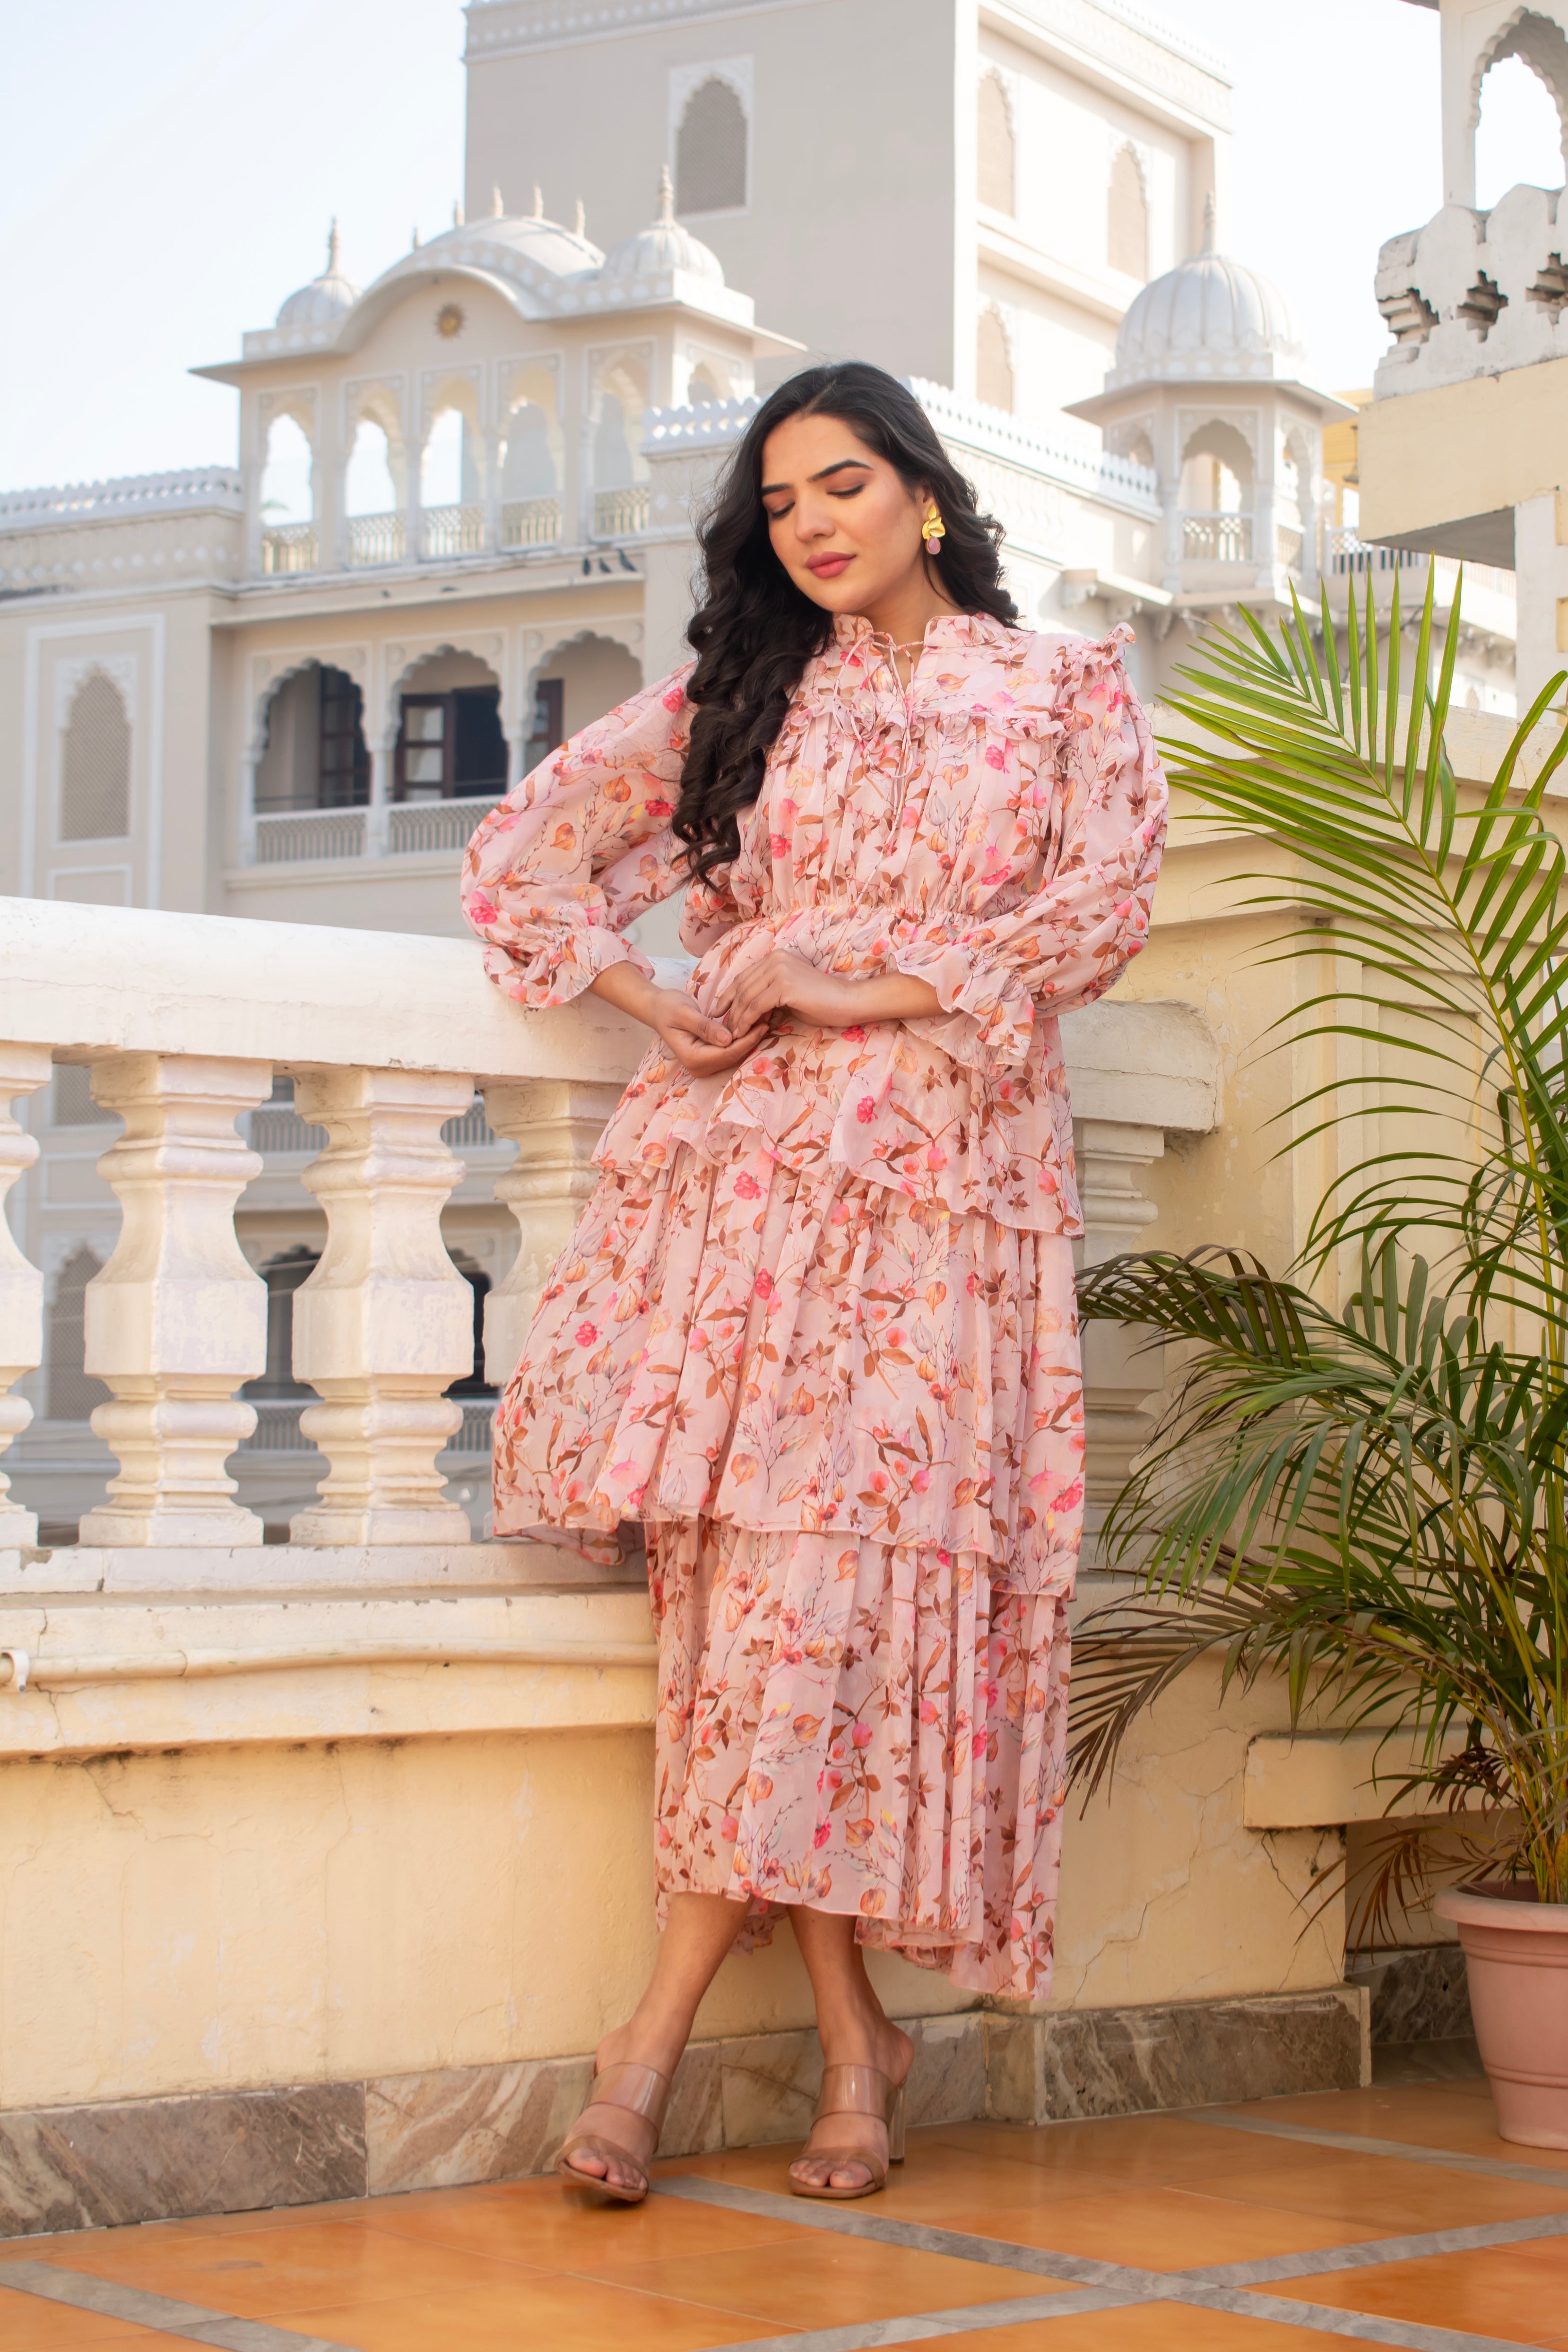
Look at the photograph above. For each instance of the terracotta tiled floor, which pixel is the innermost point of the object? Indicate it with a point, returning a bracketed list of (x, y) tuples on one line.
[(983, 2223)]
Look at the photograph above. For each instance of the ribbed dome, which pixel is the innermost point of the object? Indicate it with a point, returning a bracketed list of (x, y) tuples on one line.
[(655, 252), (323, 302), (563, 252), (1207, 318)]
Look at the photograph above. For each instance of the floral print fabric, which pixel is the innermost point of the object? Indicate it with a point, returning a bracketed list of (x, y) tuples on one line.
[(817, 1328)]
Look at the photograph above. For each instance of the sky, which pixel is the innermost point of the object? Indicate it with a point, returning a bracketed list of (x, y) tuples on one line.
[(170, 170)]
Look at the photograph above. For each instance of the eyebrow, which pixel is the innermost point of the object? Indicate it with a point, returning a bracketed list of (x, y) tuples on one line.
[(772, 489)]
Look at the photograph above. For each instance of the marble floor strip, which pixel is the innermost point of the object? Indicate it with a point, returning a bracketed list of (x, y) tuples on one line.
[(1367, 2254), (113, 2301), (1446, 2160), (1220, 2288)]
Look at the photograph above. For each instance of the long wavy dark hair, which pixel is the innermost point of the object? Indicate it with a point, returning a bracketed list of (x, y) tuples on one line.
[(754, 630)]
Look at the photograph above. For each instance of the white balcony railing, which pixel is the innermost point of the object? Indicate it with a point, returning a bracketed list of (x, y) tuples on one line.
[(375, 539), (529, 523), (288, 547), (293, 835), (1217, 538), (453, 531), (423, 826), (621, 514), (1344, 552)]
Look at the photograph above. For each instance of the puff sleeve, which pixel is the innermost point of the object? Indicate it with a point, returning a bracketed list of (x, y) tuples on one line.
[(1072, 938), (580, 848)]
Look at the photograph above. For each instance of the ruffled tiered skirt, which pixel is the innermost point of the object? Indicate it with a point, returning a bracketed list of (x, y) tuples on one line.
[(851, 1424)]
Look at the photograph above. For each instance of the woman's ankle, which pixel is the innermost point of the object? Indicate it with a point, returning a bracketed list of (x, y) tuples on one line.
[(645, 2040)]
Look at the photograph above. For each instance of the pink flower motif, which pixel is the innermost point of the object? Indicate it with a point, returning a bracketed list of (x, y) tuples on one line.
[(861, 1735), (928, 1710), (824, 1831), (747, 1187), (729, 1829), (866, 1109), (674, 698), (765, 1283), (778, 845), (996, 755), (920, 1481), (661, 810), (855, 1033), (1069, 1498), (481, 910), (586, 1335)]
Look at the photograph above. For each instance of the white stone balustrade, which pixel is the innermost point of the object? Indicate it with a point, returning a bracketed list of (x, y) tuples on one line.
[(23, 1070), (184, 1019)]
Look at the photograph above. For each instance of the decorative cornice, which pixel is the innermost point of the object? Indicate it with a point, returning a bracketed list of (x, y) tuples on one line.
[(499, 29), (127, 498)]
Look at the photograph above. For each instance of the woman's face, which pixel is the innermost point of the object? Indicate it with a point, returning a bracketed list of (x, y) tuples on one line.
[(844, 523)]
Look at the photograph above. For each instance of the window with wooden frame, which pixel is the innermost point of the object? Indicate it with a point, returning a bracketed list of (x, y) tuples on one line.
[(450, 746), (343, 776), (549, 729)]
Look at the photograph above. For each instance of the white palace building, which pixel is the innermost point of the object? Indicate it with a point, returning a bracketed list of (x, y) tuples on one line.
[(458, 526)]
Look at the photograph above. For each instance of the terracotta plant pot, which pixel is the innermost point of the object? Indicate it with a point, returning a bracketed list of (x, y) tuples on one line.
[(1516, 1955)]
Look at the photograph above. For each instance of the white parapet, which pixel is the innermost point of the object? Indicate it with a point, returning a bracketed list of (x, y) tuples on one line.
[(186, 1018)]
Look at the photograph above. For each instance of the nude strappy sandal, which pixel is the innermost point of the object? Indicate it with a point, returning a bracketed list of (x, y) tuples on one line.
[(639, 2090), (854, 2091)]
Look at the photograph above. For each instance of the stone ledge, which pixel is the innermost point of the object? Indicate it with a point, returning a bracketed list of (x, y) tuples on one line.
[(234, 2151)]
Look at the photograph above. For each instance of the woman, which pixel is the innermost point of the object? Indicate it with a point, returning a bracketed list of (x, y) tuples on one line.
[(815, 1330)]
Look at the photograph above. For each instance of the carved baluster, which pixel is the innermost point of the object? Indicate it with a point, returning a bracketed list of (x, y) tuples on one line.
[(23, 1070), (555, 1124), (386, 1322), (177, 1318), (1120, 1372)]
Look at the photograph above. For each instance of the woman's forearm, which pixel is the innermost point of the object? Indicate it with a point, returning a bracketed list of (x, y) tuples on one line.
[(892, 996), (629, 990)]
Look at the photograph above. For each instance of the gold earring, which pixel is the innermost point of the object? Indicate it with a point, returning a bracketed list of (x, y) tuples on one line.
[(934, 530)]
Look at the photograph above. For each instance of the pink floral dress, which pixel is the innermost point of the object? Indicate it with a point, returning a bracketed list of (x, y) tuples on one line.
[(815, 1330)]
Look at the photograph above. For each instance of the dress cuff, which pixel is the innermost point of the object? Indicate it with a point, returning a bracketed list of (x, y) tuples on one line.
[(987, 1017), (561, 971)]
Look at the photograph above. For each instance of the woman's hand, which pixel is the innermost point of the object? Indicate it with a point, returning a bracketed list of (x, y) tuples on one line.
[(786, 981), (702, 1045)]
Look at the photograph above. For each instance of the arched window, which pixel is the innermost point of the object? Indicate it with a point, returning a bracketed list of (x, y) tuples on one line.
[(1127, 222), (285, 480), (369, 489), (95, 763), (1518, 138), (710, 151), (72, 1393), (993, 361), (315, 755), (994, 173)]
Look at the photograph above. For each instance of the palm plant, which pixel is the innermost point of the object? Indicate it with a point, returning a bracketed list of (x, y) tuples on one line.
[(1369, 1496)]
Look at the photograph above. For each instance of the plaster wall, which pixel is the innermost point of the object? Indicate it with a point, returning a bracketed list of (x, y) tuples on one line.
[(1462, 449), (854, 150), (288, 1910)]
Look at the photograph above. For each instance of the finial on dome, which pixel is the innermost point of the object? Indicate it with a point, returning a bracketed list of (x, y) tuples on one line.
[(536, 211), (332, 248), (579, 220), (665, 198), (498, 210), (458, 214), (414, 239), (1210, 221)]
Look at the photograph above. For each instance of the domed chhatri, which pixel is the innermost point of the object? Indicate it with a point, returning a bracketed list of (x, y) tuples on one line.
[(326, 299), (1208, 318), (655, 252)]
